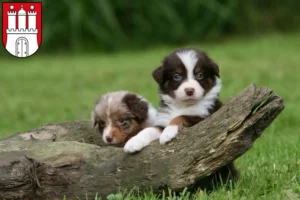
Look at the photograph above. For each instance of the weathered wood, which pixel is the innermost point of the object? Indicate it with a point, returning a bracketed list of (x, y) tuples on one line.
[(70, 159)]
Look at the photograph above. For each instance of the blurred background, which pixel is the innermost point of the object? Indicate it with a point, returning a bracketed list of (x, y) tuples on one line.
[(115, 25), (90, 47)]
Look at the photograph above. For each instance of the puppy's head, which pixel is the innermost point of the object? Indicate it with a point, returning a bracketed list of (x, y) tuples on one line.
[(186, 76), (119, 116)]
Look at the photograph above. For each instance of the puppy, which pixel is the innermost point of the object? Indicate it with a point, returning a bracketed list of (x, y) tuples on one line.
[(121, 115), (189, 87)]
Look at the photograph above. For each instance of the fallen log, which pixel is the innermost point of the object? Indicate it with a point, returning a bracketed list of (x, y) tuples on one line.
[(70, 158)]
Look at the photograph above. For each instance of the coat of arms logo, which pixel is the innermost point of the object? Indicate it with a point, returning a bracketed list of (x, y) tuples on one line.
[(22, 27)]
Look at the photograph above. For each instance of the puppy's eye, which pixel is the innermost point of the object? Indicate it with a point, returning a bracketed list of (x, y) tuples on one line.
[(102, 123), (199, 76), (177, 77), (122, 122)]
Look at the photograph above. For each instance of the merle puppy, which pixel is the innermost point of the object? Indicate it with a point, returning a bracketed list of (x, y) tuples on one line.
[(121, 115)]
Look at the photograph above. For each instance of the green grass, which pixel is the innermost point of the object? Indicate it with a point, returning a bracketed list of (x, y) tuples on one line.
[(44, 89)]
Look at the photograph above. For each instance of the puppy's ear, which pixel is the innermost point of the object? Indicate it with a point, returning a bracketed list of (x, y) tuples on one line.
[(137, 106), (215, 69), (95, 122), (157, 74)]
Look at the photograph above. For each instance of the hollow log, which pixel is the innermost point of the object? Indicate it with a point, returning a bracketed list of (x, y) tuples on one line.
[(70, 158)]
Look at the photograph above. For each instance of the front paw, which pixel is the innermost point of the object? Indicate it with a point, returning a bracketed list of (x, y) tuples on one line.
[(168, 134), (134, 145)]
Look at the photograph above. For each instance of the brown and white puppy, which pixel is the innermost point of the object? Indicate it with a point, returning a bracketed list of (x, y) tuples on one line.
[(189, 87), (121, 115)]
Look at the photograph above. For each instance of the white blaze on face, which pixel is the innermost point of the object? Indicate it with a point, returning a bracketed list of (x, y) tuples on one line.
[(189, 59), (108, 128), (107, 132)]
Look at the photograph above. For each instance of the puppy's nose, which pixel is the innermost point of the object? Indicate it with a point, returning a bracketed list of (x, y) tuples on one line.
[(109, 139), (189, 91)]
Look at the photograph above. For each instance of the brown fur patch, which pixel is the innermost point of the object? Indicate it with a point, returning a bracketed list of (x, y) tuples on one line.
[(179, 71), (197, 69), (185, 120), (177, 121), (192, 120)]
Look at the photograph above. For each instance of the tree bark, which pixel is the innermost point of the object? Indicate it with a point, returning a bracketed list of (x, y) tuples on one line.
[(70, 158)]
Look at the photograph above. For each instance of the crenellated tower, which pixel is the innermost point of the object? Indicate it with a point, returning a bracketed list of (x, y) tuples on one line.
[(32, 18), (11, 18)]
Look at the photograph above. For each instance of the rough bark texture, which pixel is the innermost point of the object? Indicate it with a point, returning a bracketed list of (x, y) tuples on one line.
[(70, 159)]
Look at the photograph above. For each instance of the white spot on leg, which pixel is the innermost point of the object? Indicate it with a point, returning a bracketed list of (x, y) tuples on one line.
[(168, 134), (142, 139)]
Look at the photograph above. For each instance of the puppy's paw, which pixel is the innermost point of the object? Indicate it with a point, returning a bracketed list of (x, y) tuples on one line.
[(142, 139), (134, 145), (168, 134)]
